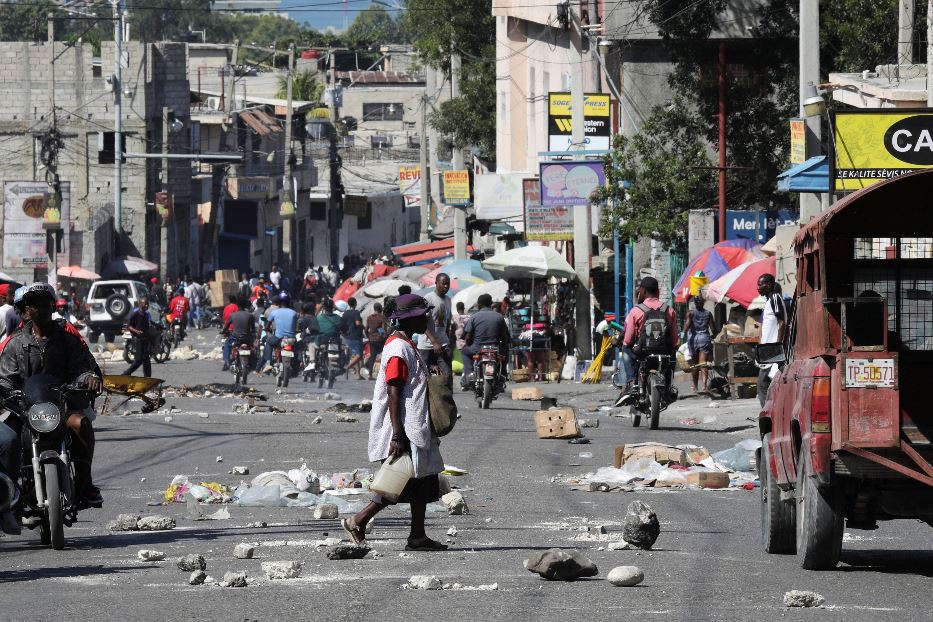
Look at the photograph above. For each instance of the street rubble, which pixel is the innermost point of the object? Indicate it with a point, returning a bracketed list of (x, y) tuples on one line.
[(131, 522), (561, 565), (431, 582), (233, 579), (281, 570), (214, 389), (656, 465), (191, 562), (803, 598), (641, 527), (625, 576), (146, 555)]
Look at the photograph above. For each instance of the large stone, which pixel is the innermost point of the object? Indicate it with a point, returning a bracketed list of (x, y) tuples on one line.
[(803, 598), (145, 555), (192, 562), (626, 576), (527, 393), (155, 523), (281, 570), (641, 526), (326, 511), (347, 551), (197, 577), (124, 522), (244, 551), (346, 419), (455, 503), (425, 582), (233, 579), (559, 565)]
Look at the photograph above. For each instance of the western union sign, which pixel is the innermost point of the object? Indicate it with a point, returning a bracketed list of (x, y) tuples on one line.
[(871, 145), (595, 121)]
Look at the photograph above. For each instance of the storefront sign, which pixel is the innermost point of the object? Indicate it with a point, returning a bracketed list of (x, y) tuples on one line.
[(871, 145), (544, 223), (596, 128), (255, 188), (355, 205), (746, 224), (570, 183), (798, 141), (24, 209), (457, 187), (409, 184), (498, 196)]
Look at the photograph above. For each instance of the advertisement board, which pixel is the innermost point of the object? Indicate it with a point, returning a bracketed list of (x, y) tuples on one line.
[(498, 195), (544, 223), (355, 205), (570, 183), (24, 204), (798, 141), (746, 223), (409, 184), (871, 145), (596, 122), (457, 187)]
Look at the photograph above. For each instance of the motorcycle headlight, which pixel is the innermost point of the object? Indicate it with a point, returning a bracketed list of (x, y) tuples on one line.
[(44, 417)]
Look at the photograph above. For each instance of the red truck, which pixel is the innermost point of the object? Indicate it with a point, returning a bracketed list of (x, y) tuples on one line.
[(847, 428)]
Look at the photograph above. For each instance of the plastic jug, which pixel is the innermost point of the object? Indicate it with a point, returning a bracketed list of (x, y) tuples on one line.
[(391, 479)]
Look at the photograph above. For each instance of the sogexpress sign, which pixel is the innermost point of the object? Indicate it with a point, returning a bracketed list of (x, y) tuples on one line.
[(873, 145)]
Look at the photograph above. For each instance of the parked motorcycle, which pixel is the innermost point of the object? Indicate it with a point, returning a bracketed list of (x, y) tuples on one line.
[(488, 381), (48, 500), (654, 390), (241, 362)]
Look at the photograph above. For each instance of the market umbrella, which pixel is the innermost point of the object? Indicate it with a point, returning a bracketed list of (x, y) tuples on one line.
[(715, 261), (386, 286), (530, 262), (346, 289), (498, 289), (741, 284), (462, 267), (6, 278), (411, 273), (130, 265), (77, 272)]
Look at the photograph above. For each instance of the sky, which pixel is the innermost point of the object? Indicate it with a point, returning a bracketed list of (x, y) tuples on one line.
[(321, 14)]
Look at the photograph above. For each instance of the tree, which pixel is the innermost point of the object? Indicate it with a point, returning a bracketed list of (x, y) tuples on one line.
[(654, 178), (305, 87), (26, 21), (373, 27), (166, 20)]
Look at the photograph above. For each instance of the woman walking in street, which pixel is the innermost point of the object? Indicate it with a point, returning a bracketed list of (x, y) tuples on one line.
[(400, 423), (700, 328)]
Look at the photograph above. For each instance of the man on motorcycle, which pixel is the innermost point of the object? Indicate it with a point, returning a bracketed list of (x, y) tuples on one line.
[(240, 328), (485, 327), (283, 321), (44, 346), (633, 340), (178, 310)]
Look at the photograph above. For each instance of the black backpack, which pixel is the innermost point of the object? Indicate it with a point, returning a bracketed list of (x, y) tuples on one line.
[(652, 338)]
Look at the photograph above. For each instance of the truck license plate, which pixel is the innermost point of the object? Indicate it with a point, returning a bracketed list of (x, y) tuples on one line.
[(870, 373)]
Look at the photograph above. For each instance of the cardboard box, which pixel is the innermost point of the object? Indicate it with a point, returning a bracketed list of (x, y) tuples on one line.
[(708, 479), (660, 453), (226, 275), (557, 423), (520, 375), (527, 393), (221, 291), (696, 455), (752, 328)]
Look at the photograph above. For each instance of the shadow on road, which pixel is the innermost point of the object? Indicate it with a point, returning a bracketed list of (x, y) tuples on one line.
[(14, 576), (916, 562)]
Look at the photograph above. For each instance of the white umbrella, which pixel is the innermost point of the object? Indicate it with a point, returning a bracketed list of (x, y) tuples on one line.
[(530, 262), (498, 289), (386, 286), (410, 273)]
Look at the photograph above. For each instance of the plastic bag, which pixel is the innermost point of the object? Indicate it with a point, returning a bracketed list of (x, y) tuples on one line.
[(305, 480), (304, 500), (280, 479), (741, 457), (641, 469), (259, 496)]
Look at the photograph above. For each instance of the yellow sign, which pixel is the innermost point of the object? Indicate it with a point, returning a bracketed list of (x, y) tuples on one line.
[(457, 187), (873, 145), (594, 105), (798, 141)]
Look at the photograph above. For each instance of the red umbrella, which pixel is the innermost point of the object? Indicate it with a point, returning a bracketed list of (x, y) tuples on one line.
[(715, 261), (346, 290), (380, 270), (741, 284)]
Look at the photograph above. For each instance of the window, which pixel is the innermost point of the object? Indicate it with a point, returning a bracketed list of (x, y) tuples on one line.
[(383, 112), (365, 222), (317, 210), (105, 146)]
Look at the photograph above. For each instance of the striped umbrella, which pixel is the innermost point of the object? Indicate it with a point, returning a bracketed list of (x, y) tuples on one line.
[(715, 261), (741, 284)]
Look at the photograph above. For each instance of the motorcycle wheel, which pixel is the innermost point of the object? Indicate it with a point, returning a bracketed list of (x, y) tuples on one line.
[(654, 394), (487, 394), (286, 372), (331, 378), (129, 351), (55, 513)]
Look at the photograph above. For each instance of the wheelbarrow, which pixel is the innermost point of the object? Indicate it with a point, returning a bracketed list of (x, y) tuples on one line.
[(134, 387)]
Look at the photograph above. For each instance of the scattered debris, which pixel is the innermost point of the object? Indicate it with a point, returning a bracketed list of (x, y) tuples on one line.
[(560, 565), (620, 545), (220, 458), (281, 570), (233, 579), (803, 598), (261, 524), (363, 407), (146, 555), (244, 551), (597, 530), (346, 419), (168, 420), (626, 576), (240, 470), (318, 420), (155, 523), (452, 532), (124, 522), (527, 393), (641, 527), (425, 582), (588, 423), (557, 423), (330, 397), (197, 577), (203, 415), (326, 511), (455, 503), (191, 562), (347, 551), (579, 441), (328, 542)]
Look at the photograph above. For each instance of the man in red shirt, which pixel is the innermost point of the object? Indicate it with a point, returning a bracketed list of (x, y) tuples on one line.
[(231, 308), (647, 296), (178, 310)]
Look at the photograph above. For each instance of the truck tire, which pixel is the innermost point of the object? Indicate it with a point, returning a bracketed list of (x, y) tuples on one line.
[(819, 519), (118, 306), (778, 530)]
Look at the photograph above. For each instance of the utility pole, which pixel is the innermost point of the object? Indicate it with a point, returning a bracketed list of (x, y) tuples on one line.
[(594, 48), (166, 188), (52, 169), (118, 14), (431, 84), (288, 214), (722, 141), (423, 162), (905, 32), (810, 204), (336, 185), (582, 230), (460, 237)]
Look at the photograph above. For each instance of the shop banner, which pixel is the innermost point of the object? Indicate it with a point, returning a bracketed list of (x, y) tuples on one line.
[(596, 124), (798, 141), (570, 183), (24, 206), (498, 196), (409, 184), (544, 223), (457, 187)]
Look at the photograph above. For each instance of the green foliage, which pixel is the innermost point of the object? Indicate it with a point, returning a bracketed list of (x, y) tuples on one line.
[(372, 27), (436, 28), (859, 34), (26, 21), (166, 20), (305, 87), (668, 173)]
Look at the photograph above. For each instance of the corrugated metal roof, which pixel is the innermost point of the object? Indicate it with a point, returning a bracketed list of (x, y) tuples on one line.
[(378, 77), (260, 122)]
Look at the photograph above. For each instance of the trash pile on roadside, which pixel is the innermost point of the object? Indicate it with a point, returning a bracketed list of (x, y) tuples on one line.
[(657, 465), (213, 389)]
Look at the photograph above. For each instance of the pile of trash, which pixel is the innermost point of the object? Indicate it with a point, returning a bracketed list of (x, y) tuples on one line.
[(203, 492), (214, 389), (340, 407), (656, 465)]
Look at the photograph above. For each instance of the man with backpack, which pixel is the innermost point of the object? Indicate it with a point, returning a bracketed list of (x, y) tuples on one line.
[(650, 328)]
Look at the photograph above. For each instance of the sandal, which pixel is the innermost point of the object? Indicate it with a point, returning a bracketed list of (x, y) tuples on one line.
[(357, 535), (424, 544)]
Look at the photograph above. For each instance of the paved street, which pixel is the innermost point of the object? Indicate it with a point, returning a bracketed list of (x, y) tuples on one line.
[(707, 563)]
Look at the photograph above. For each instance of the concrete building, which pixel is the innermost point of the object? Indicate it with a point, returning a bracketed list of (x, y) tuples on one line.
[(154, 76)]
